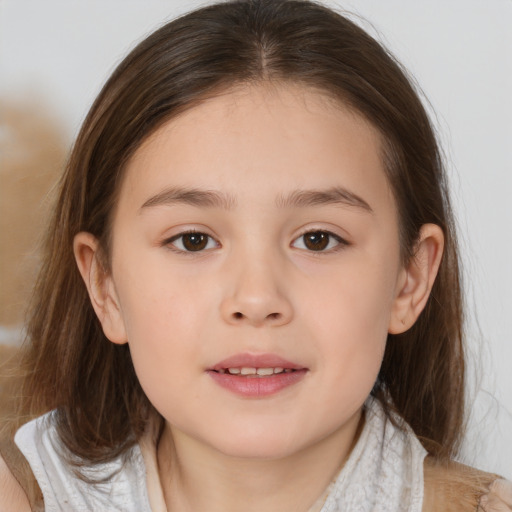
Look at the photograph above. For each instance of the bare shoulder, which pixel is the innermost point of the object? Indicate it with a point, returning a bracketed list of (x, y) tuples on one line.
[(12, 496), (454, 487)]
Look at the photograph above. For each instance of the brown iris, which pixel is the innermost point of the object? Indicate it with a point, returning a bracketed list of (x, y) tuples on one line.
[(195, 241), (316, 240)]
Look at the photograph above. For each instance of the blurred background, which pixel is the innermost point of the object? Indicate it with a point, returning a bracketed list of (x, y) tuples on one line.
[(55, 56)]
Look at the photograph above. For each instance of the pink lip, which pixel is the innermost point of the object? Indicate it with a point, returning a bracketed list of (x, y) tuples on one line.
[(252, 386), (256, 361)]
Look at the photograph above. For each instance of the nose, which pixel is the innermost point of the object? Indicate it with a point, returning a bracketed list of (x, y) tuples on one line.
[(256, 295)]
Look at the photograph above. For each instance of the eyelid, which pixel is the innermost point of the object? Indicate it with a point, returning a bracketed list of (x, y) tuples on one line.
[(341, 242), (168, 242)]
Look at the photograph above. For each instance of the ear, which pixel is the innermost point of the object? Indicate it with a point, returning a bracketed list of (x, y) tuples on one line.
[(100, 286), (416, 279)]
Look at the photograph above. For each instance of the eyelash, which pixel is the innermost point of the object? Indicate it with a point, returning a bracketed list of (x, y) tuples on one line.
[(170, 241), (340, 242)]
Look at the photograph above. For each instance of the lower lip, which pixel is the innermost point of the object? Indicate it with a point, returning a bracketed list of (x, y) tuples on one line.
[(257, 387)]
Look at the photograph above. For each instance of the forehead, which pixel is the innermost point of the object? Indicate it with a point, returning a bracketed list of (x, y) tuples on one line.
[(261, 139)]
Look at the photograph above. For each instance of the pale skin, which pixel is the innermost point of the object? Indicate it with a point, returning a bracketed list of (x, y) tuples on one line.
[(256, 287)]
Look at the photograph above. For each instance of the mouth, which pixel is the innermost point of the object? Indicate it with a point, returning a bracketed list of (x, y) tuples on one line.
[(249, 372), (250, 364), (256, 375)]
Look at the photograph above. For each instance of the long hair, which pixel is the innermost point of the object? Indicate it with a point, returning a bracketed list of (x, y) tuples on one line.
[(72, 367)]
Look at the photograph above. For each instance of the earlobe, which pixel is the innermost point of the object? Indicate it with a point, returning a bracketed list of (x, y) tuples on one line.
[(100, 286), (416, 279)]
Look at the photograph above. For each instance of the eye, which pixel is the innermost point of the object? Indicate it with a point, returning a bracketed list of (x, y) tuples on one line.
[(192, 241), (319, 241)]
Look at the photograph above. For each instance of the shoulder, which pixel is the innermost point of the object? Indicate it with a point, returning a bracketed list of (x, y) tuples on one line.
[(499, 498), (12, 496), (19, 489), (454, 487)]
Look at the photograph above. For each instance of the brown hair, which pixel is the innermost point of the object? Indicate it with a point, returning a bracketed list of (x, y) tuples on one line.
[(101, 408)]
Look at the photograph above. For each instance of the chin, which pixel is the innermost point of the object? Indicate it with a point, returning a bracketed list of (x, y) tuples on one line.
[(259, 445)]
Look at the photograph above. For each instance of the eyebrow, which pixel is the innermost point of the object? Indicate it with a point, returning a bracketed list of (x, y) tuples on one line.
[(338, 196), (191, 196), (296, 199)]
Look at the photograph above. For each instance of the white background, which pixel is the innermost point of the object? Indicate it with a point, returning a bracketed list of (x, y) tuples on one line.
[(460, 52)]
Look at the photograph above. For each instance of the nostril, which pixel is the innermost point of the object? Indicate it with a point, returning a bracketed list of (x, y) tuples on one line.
[(274, 316), (238, 315)]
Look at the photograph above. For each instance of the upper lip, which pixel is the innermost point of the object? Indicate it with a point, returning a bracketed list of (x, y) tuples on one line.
[(248, 360)]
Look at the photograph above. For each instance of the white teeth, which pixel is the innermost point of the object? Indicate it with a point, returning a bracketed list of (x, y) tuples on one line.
[(265, 371), (255, 371)]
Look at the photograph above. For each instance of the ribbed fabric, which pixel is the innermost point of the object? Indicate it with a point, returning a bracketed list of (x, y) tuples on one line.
[(384, 472)]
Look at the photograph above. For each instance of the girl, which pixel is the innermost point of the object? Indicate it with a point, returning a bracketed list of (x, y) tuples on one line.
[(250, 297)]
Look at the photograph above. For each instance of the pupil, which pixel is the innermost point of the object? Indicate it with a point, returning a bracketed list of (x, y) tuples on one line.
[(316, 241), (195, 241)]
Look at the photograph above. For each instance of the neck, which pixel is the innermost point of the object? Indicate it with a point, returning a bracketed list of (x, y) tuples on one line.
[(196, 477)]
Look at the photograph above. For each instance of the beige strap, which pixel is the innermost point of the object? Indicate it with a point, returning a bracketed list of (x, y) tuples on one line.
[(454, 487), (20, 469), (499, 498)]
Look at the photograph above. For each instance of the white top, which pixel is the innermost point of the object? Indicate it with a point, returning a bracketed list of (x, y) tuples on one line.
[(384, 472)]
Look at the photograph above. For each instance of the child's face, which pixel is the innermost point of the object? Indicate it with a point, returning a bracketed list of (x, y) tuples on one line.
[(251, 172)]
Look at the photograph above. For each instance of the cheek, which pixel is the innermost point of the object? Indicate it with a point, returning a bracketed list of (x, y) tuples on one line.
[(163, 330), (354, 299), (352, 341), (164, 316), (349, 317), (159, 299)]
